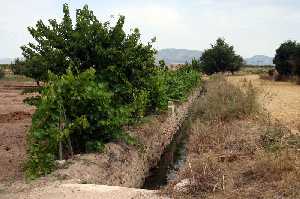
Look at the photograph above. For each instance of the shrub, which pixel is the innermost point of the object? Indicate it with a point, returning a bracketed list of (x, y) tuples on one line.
[(224, 101), (74, 110), (272, 139), (81, 109), (181, 81), (156, 86), (277, 137), (79, 112), (2, 73)]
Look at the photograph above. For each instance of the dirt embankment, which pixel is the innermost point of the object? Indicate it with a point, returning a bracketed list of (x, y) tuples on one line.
[(15, 118), (120, 164)]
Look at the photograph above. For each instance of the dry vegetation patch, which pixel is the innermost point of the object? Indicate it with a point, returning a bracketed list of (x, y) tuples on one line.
[(280, 99), (237, 152)]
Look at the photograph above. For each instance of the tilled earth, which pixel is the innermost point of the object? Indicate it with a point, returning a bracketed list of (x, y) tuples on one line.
[(15, 119)]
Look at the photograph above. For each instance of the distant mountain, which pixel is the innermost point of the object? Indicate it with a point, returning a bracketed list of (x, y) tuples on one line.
[(6, 60), (259, 60), (180, 56), (177, 56)]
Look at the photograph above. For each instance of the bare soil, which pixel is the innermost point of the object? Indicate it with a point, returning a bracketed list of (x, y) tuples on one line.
[(15, 119), (87, 191)]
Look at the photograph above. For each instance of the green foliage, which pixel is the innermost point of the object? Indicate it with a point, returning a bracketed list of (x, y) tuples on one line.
[(283, 54), (196, 64), (287, 58), (33, 101), (220, 58), (141, 101), (94, 146), (28, 69), (18, 67), (83, 108), (75, 107), (2, 74), (157, 85), (181, 81), (120, 60)]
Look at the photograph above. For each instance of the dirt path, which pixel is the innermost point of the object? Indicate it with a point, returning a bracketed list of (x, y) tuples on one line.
[(281, 99), (90, 191), (15, 118)]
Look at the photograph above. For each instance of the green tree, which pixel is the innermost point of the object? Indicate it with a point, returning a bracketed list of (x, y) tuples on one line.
[(100, 79), (2, 74), (296, 61), (119, 59), (220, 57), (283, 58), (77, 111)]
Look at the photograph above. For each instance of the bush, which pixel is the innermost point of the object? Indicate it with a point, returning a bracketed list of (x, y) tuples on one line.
[(2, 73), (81, 109), (272, 139), (181, 81), (224, 101), (74, 110), (157, 86), (277, 137)]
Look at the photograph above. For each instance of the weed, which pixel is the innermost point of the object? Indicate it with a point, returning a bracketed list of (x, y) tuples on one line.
[(225, 101)]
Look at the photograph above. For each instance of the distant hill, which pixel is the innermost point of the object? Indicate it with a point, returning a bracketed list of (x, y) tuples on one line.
[(180, 56), (177, 56), (259, 60), (6, 60)]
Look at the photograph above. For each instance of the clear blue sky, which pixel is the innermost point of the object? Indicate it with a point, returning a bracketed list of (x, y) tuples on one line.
[(252, 26)]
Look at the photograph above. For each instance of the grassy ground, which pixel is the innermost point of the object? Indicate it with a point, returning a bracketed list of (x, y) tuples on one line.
[(236, 149)]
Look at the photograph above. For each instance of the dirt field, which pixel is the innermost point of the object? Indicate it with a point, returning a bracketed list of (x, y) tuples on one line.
[(281, 99), (15, 118)]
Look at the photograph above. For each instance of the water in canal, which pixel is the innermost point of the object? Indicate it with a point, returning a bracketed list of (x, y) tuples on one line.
[(171, 160)]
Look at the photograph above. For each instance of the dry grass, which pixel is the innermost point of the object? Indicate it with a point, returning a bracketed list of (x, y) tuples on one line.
[(280, 99), (224, 101), (241, 154)]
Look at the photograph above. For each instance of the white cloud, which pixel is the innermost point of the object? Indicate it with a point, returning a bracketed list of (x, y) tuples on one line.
[(253, 27)]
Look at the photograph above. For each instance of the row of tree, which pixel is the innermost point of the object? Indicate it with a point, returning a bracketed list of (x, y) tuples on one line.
[(97, 80), (221, 58), (56, 57)]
